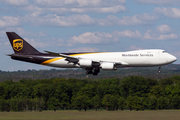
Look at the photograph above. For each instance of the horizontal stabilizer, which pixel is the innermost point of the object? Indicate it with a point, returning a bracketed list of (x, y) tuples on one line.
[(19, 56)]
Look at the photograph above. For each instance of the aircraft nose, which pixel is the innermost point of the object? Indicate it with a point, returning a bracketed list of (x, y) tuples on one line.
[(172, 58)]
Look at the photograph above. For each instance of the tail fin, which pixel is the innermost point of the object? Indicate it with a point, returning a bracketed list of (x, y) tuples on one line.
[(19, 45)]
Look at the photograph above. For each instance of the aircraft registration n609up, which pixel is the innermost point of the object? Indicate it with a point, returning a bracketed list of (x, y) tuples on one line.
[(92, 62)]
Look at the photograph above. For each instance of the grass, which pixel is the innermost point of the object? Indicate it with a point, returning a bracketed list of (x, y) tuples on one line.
[(92, 115)]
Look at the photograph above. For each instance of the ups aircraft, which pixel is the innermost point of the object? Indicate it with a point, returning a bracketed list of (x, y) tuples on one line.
[(92, 62)]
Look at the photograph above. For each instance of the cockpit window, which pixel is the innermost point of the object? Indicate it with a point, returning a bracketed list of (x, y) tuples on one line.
[(164, 51)]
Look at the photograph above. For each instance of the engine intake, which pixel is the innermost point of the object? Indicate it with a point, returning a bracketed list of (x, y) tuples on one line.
[(108, 66)]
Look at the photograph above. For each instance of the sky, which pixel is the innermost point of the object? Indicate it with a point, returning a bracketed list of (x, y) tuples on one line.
[(89, 26)]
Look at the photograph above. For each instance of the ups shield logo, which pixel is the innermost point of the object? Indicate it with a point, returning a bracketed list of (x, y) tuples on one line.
[(18, 44)]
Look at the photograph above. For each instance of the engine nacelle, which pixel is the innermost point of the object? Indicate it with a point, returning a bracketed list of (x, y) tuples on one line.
[(85, 63), (108, 66)]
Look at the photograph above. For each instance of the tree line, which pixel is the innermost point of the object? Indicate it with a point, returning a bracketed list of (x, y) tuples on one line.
[(133, 93), (152, 72)]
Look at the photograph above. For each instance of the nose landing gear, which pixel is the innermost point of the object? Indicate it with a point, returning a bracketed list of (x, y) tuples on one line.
[(159, 69)]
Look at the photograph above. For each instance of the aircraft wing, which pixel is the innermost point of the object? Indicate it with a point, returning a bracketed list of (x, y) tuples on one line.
[(75, 60), (68, 58)]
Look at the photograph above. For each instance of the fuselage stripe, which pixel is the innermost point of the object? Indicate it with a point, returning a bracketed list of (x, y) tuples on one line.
[(51, 60)]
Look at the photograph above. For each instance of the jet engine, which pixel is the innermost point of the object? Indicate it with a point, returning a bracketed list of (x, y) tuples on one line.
[(108, 66), (85, 63)]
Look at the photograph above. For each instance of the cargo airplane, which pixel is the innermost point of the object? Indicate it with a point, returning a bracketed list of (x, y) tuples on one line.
[(92, 62)]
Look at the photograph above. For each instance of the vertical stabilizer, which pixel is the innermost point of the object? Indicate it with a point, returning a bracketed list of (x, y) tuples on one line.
[(19, 45)]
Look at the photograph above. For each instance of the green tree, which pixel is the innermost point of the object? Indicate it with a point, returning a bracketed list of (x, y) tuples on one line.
[(81, 102), (129, 102), (2, 95), (52, 103), (157, 91), (167, 81), (30, 104), (162, 102), (106, 101), (175, 102), (121, 103), (108, 86), (89, 90), (137, 103), (168, 91), (96, 102), (7, 105), (134, 102), (136, 86), (176, 79), (64, 100), (14, 104), (21, 104), (43, 90), (114, 102), (2, 104), (144, 102), (152, 104), (38, 104)]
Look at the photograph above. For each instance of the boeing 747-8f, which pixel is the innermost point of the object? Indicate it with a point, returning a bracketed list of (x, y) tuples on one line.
[(92, 62)]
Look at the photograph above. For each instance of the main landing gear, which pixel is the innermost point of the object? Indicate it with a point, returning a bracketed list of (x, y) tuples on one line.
[(93, 71)]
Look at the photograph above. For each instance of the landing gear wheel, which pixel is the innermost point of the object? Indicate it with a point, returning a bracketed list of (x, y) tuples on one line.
[(96, 71), (91, 71)]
